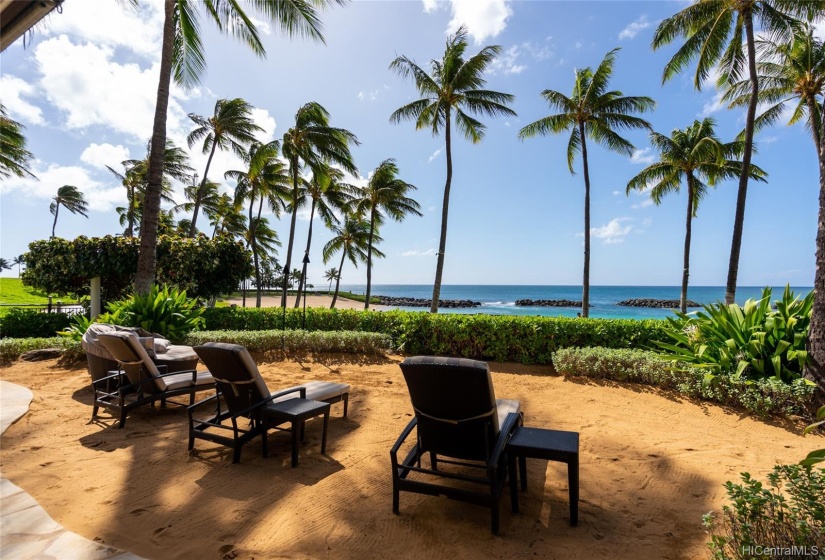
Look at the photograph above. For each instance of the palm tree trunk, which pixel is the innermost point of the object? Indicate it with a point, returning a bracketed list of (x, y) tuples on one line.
[(294, 168), (739, 216), (586, 272), (306, 254), (686, 266), (145, 276), (56, 210), (815, 369), (445, 207), (199, 193), (369, 260), (338, 280), (130, 213), (815, 126)]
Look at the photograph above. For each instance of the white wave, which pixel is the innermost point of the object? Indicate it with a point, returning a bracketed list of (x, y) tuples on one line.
[(498, 304)]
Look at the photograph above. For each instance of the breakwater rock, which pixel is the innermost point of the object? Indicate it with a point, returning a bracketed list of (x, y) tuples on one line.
[(658, 303), (547, 303), (417, 302)]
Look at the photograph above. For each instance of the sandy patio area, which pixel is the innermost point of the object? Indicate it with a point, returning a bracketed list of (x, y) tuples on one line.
[(312, 301), (651, 464)]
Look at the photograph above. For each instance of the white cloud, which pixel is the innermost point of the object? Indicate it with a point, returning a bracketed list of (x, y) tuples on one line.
[(616, 193), (612, 232), (266, 121), (644, 156), (435, 155), (643, 204), (418, 253), (484, 18), (430, 6), (633, 29), (713, 106), (99, 196), (101, 155), (769, 139), (368, 95), (647, 221), (14, 89), (510, 61)]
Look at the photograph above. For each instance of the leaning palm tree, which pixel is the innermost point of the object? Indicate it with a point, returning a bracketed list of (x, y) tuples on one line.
[(592, 112), (14, 157), (4, 265), (230, 127), (351, 238), (18, 261), (713, 31), (71, 199), (384, 195), (452, 90), (226, 216), (265, 242), (182, 55), (330, 274), (327, 195), (696, 156), (312, 142)]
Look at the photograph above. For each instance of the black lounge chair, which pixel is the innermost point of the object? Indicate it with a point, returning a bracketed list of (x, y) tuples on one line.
[(138, 380), (461, 425), (245, 395)]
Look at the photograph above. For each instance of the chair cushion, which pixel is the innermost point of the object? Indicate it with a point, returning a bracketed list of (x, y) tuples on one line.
[(505, 407), (317, 391), (184, 380)]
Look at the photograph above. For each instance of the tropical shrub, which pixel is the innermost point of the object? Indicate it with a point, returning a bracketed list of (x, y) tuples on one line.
[(298, 341), (750, 342), (22, 323), (818, 455), (788, 515), (164, 310), (762, 397), (13, 348)]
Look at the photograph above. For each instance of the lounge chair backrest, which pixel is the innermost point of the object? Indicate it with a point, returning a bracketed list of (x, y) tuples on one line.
[(455, 404), (129, 352), (235, 372)]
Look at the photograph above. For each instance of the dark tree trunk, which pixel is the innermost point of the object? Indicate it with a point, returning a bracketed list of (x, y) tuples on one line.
[(302, 283), (294, 165), (815, 126), (686, 266), (369, 260), (815, 370), (445, 208), (130, 212), (739, 216), (56, 210), (338, 280), (199, 192), (145, 276), (586, 271)]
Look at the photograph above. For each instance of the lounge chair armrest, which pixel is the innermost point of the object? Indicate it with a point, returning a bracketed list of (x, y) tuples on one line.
[(302, 393), (513, 420), (202, 402), (404, 435), (107, 378)]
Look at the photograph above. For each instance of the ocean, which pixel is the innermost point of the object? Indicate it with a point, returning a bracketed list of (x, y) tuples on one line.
[(501, 300)]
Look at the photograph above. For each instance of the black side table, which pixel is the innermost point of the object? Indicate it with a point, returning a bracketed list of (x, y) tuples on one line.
[(553, 445), (296, 411)]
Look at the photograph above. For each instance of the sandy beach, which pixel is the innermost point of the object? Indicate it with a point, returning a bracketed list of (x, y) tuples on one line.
[(651, 464), (312, 301)]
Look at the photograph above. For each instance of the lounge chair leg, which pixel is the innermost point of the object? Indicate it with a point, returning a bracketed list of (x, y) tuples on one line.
[(433, 461), (264, 442), (522, 467), (573, 483), (122, 421), (324, 435), (94, 411), (236, 453), (511, 460), (346, 403), (494, 517), (295, 436), (395, 496), (303, 430)]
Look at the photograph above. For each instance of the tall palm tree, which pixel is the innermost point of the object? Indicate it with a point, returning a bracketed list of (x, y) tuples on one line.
[(71, 199), (19, 261), (226, 216), (384, 194), (351, 238), (4, 265), (330, 274), (182, 54), (815, 368), (452, 90), (312, 142), (230, 127), (713, 32), (14, 157), (696, 156), (592, 112), (327, 195)]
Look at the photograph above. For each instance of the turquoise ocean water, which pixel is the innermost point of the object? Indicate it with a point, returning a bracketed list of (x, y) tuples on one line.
[(500, 300)]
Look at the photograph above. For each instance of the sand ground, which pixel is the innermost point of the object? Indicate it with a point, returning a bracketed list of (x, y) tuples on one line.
[(651, 464), (312, 301)]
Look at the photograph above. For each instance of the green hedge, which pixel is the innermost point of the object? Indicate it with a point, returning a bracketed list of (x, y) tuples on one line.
[(24, 323), (528, 340), (12, 348), (763, 397), (298, 341)]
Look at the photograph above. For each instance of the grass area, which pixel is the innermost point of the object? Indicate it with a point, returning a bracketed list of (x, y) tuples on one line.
[(13, 291)]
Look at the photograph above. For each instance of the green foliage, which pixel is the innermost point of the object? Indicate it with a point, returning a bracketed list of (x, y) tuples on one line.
[(164, 310), (23, 323), (203, 267), (762, 397), (12, 348), (298, 341), (79, 325), (817, 456), (750, 342), (790, 512), (12, 290)]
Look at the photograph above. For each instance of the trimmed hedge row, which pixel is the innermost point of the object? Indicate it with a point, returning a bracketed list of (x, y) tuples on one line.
[(13, 348), (763, 397), (297, 341), (25, 323), (502, 338)]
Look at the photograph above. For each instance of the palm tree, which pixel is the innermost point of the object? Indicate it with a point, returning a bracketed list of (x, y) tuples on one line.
[(312, 142), (229, 128), (384, 194), (713, 30), (352, 238), (226, 216), (330, 274), (815, 368), (595, 112), (18, 261), (452, 89), (14, 157), (182, 54), (696, 156), (4, 265), (71, 199), (328, 195)]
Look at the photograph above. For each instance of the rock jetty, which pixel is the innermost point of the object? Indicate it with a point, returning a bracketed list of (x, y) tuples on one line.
[(658, 303), (417, 302), (547, 303)]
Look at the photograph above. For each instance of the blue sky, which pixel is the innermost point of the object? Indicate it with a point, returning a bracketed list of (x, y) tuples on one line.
[(85, 88)]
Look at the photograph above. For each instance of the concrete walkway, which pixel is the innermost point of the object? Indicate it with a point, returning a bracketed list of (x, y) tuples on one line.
[(26, 530)]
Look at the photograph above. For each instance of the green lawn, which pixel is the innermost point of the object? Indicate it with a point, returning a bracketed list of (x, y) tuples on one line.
[(12, 290)]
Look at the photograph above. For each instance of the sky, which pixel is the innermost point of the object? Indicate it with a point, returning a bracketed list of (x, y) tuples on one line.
[(84, 86)]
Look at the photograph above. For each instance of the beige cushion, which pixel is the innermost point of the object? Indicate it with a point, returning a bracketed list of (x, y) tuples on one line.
[(505, 407), (317, 391), (252, 367), (183, 380)]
